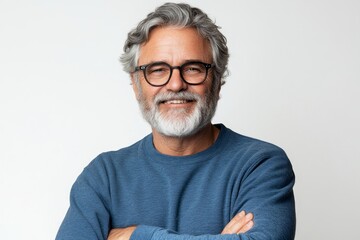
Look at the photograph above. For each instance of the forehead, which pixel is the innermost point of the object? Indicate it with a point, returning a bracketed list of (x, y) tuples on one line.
[(175, 45)]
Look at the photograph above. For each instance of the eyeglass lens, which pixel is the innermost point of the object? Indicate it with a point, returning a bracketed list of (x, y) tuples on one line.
[(160, 73)]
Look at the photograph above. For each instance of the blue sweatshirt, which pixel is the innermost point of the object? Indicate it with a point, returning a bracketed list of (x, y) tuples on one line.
[(189, 197)]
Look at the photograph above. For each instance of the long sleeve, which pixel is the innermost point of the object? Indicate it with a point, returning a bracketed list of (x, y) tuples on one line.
[(266, 190), (88, 217), (148, 232)]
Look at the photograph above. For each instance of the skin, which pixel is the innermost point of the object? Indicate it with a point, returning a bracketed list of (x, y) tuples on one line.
[(177, 46)]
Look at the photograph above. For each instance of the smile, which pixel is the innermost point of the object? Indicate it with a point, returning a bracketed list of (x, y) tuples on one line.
[(177, 101)]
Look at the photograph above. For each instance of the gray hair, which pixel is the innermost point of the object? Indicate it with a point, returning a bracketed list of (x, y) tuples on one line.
[(179, 15)]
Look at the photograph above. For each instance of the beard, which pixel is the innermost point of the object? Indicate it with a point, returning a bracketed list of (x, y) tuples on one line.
[(179, 122)]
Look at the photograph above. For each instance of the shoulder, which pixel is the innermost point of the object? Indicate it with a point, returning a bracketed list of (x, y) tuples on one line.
[(108, 163), (258, 160), (250, 153), (234, 141)]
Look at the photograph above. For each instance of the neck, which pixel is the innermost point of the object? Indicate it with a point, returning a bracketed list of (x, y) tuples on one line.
[(182, 146)]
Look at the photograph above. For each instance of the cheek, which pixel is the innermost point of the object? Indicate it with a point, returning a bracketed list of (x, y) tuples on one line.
[(146, 96), (205, 91)]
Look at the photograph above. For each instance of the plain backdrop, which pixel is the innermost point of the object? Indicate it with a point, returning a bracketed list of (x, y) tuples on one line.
[(294, 81)]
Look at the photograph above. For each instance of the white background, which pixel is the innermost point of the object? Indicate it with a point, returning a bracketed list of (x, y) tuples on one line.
[(295, 72)]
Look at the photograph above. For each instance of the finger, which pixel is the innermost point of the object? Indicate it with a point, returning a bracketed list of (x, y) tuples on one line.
[(121, 233), (229, 226), (237, 223), (246, 227), (237, 218), (241, 225)]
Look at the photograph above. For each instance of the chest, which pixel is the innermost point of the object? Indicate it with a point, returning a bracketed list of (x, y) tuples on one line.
[(190, 200)]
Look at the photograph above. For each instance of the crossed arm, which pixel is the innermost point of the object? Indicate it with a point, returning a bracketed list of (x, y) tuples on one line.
[(265, 191), (241, 223)]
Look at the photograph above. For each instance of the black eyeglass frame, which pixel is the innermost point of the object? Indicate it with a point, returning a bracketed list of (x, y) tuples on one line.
[(143, 68)]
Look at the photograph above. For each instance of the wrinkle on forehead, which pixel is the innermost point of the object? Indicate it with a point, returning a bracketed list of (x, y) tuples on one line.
[(175, 45)]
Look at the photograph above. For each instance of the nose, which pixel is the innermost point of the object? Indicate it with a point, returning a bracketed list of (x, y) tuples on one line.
[(176, 83)]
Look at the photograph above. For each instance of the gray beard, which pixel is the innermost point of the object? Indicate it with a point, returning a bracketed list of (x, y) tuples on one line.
[(179, 122)]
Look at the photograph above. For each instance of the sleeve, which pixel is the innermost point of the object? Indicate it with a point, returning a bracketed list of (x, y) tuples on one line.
[(143, 232), (88, 217), (266, 190)]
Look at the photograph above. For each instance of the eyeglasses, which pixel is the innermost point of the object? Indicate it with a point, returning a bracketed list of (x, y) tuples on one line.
[(158, 74)]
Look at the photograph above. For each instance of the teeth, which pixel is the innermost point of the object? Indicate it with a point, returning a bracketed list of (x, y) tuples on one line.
[(175, 101)]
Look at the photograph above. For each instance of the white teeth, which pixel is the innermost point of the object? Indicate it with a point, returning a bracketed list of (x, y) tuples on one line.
[(175, 101)]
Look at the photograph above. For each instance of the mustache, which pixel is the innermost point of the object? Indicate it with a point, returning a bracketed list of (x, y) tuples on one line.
[(188, 96)]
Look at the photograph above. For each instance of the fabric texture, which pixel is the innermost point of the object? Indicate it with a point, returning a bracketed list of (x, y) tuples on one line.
[(190, 197)]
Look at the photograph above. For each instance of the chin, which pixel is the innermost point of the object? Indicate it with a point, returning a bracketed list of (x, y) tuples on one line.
[(179, 128)]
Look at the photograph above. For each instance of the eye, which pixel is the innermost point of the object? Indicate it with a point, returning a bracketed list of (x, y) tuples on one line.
[(157, 69), (193, 68)]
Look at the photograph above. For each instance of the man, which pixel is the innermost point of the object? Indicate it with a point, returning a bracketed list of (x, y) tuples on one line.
[(189, 179)]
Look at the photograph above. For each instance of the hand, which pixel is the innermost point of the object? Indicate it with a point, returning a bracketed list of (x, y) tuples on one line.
[(121, 233), (241, 223)]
